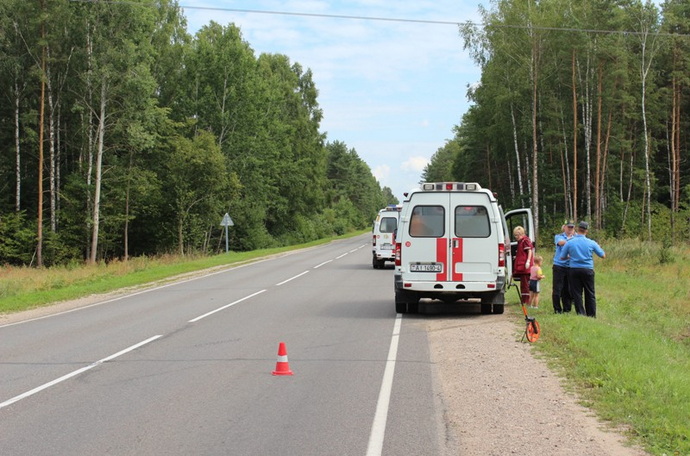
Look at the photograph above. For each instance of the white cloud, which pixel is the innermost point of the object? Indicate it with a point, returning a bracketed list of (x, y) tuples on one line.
[(381, 172), (416, 164)]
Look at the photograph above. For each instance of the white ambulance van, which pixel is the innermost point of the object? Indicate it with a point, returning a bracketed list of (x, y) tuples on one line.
[(454, 244), (383, 236)]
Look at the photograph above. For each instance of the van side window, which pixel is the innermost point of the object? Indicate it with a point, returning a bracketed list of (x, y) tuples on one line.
[(472, 222), (388, 224), (427, 221)]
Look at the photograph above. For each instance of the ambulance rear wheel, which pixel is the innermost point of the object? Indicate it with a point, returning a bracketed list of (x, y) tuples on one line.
[(498, 308), (406, 302)]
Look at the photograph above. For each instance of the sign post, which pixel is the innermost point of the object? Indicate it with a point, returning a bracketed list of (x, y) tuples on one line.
[(226, 222)]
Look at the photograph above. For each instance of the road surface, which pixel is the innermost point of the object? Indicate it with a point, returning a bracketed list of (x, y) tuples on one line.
[(186, 368)]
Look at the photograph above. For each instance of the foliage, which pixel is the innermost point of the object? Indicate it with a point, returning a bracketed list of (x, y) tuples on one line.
[(152, 134), (599, 80)]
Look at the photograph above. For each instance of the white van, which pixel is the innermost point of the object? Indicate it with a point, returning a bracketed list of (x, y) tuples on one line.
[(454, 244), (383, 236)]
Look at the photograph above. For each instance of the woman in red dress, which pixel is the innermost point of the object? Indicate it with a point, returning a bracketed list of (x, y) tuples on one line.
[(523, 262)]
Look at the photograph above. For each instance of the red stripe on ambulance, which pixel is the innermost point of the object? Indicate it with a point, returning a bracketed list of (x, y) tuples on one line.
[(456, 257)]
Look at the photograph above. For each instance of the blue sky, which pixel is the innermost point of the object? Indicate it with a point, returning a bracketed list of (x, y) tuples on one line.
[(391, 90)]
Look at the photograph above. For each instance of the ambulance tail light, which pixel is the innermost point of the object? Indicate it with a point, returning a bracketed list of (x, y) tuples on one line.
[(373, 241), (501, 255), (398, 253)]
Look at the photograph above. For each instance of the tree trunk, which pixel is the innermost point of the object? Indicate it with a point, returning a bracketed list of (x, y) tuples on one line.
[(517, 151), (597, 171), (39, 234), (574, 137), (99, 172), (535, 139), (17, 147), (51, 151)]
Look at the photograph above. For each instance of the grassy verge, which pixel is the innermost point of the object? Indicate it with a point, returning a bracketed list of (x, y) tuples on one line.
[(632, 363), (27, 288)]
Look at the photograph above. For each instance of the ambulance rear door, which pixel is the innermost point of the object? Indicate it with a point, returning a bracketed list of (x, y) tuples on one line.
[(473, 247), (425, 251)]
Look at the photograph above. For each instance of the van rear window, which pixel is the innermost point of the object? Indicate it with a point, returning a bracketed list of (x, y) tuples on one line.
[(427, 221), (472, 222), (388, 224)]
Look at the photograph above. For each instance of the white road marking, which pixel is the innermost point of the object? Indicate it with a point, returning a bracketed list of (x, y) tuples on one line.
[(319, 265), (291, 278), (378, 428), (75, 373), (225, 306), (339, 257)]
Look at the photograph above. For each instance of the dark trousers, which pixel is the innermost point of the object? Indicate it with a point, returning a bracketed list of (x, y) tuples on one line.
[(561, 290), (582, 279)]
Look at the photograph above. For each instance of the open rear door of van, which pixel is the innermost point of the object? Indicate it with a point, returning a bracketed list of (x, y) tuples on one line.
[(518, 217)]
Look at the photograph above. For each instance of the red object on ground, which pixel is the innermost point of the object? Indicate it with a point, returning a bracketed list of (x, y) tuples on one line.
[(282, 365)]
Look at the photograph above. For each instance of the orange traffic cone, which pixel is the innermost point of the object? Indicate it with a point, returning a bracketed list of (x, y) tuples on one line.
[(282, 365)]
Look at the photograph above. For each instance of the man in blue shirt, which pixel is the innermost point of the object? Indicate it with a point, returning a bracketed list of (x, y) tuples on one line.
[(581, 273), (561, 289)]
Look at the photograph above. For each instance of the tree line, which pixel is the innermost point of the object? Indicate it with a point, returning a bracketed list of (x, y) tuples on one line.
[(582, 112), (122, 134)]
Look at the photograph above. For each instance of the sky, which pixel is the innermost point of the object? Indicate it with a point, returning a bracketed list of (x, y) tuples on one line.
[(392, 90)]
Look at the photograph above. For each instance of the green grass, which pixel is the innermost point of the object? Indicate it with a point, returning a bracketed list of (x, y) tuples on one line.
[(632, 363), (28, 288)]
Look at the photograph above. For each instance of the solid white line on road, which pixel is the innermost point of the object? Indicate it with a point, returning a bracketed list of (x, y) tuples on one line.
[(378, 428), (319, 265), (291, 278), (225, 307), (75, 373)]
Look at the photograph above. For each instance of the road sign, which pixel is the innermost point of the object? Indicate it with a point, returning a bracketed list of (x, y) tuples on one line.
[(227, 221)]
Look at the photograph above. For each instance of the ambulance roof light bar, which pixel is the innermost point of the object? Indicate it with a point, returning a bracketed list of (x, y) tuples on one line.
[(451, 186)]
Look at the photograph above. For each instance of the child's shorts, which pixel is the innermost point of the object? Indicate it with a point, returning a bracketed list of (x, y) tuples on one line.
[(534, 286)]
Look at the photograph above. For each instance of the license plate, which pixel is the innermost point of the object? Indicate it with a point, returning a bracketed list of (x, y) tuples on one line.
[(387, 247), (426, 267)]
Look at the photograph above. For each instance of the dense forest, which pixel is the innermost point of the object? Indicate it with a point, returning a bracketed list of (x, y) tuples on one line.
[(121, 134), (582, 112)]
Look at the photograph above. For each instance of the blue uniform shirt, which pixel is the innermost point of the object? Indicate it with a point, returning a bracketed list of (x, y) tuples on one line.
[(580, 249), (559, 248)]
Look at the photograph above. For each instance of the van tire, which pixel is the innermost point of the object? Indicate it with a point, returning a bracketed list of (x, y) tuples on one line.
[(485, 309), (498, 309), (406, 302)]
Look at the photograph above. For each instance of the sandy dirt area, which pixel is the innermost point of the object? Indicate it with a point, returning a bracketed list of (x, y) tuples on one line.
[(502, 400)]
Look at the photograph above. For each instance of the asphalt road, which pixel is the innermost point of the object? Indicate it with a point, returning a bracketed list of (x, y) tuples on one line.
[(187, 368)]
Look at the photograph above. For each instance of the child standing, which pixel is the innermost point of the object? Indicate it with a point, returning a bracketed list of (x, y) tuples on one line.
[(535, 277)]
